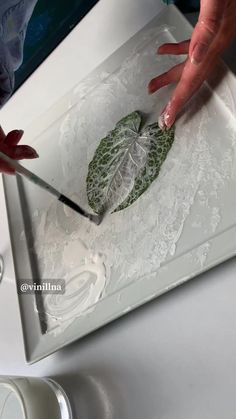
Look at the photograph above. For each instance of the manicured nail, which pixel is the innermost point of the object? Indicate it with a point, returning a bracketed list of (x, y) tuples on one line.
[(166, 120), (33, 155), (25, 152), (199, 53), (161, 121), (19, 131), (30, 153)]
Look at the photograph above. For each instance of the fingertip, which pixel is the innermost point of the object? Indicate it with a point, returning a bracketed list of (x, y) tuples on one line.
[(160, 50), (161, 122), (21, 132), (14, 137), (152, 87), (16, 132), (32, 154), (159, 82), (22, 152), (167, 117)]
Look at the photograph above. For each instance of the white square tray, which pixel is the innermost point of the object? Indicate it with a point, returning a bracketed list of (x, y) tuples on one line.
[(183, 225)]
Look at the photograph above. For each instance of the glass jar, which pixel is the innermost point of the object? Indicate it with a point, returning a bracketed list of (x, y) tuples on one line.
[(32, 398)]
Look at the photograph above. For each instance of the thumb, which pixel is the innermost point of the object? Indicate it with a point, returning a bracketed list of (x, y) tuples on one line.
[(206, 30)]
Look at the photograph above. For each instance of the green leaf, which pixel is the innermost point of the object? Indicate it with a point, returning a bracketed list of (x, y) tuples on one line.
[(125, 163)]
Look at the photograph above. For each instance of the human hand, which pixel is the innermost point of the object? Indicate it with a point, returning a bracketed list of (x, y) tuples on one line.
[(215, 30), (9, 146)]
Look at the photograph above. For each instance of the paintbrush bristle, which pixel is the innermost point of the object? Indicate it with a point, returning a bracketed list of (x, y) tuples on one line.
[(96, 219)]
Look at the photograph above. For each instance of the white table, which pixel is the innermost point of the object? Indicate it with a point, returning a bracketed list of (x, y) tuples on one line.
[(171, 359)]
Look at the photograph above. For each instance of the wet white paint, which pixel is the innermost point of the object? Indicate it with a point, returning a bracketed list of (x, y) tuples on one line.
[(84, 286)]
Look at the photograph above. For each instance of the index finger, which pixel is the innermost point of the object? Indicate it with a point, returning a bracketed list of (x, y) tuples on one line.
[(191, 80)]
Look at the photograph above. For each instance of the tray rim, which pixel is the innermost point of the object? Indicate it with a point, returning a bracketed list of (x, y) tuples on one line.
[(133, 295)]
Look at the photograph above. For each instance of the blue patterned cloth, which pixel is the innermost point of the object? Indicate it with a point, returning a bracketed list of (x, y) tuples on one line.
[(14, 18)]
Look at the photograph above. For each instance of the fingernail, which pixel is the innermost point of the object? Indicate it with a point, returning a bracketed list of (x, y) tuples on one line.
[(27, 152), (161, 121), (31, 154), (199, 53), (34, 155), (166, 120)]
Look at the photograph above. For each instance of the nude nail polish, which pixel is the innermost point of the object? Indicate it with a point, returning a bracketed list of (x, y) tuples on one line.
[(199, 53), (165, 120)]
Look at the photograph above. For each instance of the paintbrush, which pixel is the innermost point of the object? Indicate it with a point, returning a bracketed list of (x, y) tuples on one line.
[(22, 171)]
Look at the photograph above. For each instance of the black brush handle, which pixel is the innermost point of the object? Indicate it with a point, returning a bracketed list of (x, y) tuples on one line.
[(97, 219), (73, 205)]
